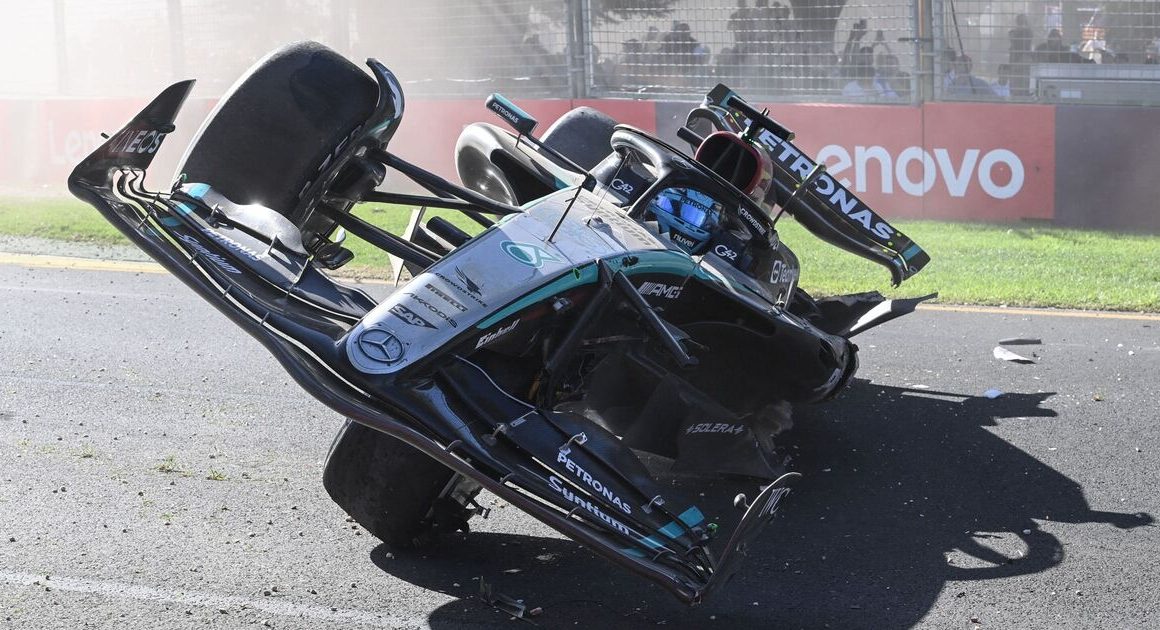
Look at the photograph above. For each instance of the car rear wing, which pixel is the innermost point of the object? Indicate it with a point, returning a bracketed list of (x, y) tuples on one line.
[(819, 202)]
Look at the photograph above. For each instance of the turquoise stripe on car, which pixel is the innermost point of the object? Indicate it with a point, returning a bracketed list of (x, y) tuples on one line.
[(647, 262)]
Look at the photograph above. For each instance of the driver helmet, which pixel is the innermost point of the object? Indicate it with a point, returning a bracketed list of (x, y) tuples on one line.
[(688, 216), (742, 161)]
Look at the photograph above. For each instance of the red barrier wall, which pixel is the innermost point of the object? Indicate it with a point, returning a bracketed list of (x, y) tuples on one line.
[(429, 130), (993, 162), (966, 161), (41, 141)]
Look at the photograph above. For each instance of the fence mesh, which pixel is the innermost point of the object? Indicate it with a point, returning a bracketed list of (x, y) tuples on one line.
[(878, 51), (1057, 51), (829, 50)]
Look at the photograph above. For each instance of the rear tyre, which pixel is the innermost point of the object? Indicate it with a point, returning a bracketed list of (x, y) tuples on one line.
[(270, 133), (583, 135), (394, 491)]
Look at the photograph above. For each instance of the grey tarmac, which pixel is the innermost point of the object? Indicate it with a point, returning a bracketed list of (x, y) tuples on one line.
[(158, 469)]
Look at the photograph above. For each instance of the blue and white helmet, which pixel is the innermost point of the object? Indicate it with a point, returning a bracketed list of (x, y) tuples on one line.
[(688, 216)]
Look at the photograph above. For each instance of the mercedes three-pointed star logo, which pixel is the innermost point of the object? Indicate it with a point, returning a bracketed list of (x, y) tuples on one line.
[(381, 346)]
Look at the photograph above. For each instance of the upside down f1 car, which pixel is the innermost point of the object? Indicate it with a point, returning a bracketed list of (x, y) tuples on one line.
[(622, 302)]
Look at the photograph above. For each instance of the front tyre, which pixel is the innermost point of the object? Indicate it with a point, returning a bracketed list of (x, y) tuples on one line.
[(397, 493), (278, 124)]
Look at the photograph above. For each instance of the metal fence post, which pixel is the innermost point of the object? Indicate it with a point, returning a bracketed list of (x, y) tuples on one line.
[(578, 74), (924, 49), (937, 44)]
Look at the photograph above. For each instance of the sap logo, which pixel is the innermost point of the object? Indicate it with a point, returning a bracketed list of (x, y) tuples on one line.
[(495, 334), (669, 291), (975, 166), (725, 253), (409, 316), (622, 186)]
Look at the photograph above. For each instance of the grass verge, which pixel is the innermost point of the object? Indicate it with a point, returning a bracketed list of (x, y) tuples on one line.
[(1016, 265)]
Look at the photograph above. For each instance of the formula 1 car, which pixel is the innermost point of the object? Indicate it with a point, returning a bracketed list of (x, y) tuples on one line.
[(624, 312)]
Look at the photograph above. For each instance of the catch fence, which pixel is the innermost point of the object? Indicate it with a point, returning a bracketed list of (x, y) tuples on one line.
[(833, 51)]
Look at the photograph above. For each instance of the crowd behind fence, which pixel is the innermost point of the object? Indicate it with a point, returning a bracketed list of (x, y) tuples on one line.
[(864, 51)]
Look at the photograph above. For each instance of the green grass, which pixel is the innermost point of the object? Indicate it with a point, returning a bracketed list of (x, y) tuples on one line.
[(1016, 265), (62, 218)]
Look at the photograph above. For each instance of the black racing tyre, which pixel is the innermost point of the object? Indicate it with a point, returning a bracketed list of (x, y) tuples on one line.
[(583, 135), (276, 125), (392, 489)]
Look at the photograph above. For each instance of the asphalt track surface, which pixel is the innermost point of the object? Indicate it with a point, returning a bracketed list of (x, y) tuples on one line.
[(159, 470)]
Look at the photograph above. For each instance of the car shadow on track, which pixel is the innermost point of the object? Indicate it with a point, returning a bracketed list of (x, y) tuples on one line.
[(904, 490)]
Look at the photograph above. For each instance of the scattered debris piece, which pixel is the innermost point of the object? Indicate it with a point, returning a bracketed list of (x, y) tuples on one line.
[(1020, 341), (509, 605), (1097, 397), (1002, 353), (512, 571), (992, 393)]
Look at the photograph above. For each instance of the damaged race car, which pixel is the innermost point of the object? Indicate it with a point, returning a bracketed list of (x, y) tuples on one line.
[(622, 329)]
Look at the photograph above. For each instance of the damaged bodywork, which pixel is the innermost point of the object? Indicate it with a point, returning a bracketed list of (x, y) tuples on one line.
[(552, 357)]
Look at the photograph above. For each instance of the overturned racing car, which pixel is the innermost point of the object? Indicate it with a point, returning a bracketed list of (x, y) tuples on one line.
[(622, 311)]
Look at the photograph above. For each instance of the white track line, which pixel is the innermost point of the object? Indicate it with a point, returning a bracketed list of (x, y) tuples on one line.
[(113, 589)]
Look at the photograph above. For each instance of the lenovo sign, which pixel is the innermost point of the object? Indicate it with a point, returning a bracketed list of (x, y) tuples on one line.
[(916, 171), (976, 161)]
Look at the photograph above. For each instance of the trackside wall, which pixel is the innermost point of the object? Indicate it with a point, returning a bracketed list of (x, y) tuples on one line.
[(1084, 166)]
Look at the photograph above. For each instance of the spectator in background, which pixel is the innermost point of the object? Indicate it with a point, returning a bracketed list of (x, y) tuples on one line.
[(679, 46), (765, 24), (967, 84), (1002, 86), (1019, 56), (950, 67), (741, 25), (1054, 51), (889, 75), (853, 47), (863, 84)]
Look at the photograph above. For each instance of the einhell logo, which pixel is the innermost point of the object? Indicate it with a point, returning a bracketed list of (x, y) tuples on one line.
[(998, 173)]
